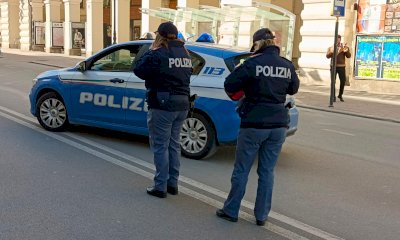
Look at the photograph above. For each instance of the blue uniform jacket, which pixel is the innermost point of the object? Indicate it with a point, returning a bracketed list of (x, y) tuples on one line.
[(265, 78), (166, 72)]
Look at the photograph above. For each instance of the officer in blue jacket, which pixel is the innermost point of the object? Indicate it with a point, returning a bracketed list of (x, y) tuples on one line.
[(166, 69), (261, 83)]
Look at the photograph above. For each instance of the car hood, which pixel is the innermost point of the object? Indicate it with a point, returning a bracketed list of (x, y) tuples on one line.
[(52, 73)]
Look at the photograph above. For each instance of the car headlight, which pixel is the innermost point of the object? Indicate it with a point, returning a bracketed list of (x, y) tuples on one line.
[(34, 81)]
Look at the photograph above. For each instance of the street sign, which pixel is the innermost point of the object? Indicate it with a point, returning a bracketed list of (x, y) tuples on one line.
[(339, 7)]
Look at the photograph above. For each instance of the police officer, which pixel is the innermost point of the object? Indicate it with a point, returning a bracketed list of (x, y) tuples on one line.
[(166, 69), (262, 83)]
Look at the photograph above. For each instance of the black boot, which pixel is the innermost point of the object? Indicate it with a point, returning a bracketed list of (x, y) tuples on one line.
[(220, 213), (156, 193), (260, 222), (172, 190)]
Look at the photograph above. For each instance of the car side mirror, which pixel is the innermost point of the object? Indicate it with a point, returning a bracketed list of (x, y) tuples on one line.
[(81, 66)]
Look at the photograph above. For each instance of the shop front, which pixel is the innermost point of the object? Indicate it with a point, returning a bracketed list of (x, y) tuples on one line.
[(377, 53)]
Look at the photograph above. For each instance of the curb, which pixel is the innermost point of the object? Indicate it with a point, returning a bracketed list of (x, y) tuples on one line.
[(348, 113), (368, 99), (38, 54)]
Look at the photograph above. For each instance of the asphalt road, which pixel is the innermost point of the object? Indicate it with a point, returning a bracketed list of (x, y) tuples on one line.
[(336, 178)]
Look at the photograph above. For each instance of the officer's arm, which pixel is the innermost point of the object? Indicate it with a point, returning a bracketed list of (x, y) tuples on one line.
[(294, 83), (234, 83), (148, 65)]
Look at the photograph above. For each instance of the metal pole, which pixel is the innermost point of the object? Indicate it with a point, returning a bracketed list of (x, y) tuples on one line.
[(115, 25), (333, 66)]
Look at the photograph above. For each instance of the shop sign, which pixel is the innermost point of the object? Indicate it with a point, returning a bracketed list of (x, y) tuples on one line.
[(378, 57), (378, 16), (391, 58), (57, 34), (367, 61), (39, 33), (78, 35)]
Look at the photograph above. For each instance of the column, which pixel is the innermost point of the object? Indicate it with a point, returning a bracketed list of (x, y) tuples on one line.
[(297, 8), (72, 14), (189, 3), (3, 22), (25, 25), (53, 14), (350, 39), (150, 24), (10, 24), (120, 20), (37, 12), (94, 31), (240, 2), (188, 27)]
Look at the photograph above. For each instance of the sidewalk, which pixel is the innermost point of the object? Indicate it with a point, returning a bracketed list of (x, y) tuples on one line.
[(357, 103)]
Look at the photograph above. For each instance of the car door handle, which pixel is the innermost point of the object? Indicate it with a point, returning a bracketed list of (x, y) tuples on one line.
[(117, 80)]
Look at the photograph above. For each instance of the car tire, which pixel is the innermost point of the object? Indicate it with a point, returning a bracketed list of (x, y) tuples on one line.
[(51, 112), (198, 138)]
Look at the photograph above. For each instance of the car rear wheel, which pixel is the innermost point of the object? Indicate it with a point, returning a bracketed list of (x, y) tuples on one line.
[(197, 137), (51, 112)]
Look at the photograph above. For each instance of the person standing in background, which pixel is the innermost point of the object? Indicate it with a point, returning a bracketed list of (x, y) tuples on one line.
[(343, 52)]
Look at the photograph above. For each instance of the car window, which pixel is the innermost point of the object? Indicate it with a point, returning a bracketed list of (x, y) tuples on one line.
[(120, 60), (233, 62), (142, 50), (197, 62)]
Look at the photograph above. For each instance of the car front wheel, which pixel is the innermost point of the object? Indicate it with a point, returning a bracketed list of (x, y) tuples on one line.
[(51, 112), (197, 137)]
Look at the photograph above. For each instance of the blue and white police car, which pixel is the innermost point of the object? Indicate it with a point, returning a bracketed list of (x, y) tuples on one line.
[(102, 91)]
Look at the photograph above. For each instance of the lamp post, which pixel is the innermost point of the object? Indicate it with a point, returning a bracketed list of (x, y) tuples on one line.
[(115, 25)]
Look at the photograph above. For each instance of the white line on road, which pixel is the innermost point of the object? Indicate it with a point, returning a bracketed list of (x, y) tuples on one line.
[(271, 227), (338, 132)]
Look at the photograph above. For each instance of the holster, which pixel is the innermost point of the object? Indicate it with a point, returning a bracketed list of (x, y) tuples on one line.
[(192, 99)]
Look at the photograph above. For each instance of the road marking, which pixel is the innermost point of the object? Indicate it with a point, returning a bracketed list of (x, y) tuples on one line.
[(269, 226), (292, 222), (17, 92), (338, 132)]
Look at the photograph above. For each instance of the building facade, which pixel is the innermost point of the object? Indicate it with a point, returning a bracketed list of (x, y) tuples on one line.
[(371, 28)]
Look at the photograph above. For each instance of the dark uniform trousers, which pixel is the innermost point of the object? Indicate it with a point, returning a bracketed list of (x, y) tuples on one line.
[(341, 71), (268, 144), (164, 136)]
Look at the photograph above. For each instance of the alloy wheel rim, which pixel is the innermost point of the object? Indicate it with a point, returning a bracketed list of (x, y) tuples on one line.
[(193, 135), (53, 113)]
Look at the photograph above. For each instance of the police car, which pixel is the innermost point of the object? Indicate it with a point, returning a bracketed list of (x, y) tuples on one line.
[(102, 91)]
